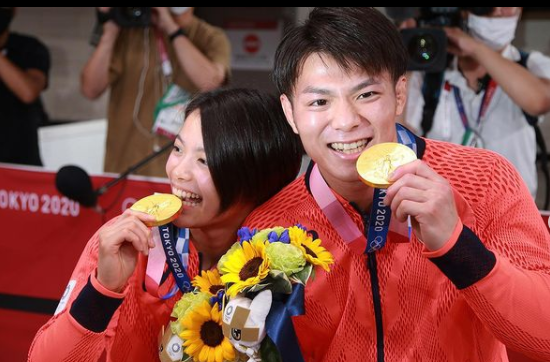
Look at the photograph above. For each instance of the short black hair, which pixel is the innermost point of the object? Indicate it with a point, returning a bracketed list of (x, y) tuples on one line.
[(250, 148), (361, 37)]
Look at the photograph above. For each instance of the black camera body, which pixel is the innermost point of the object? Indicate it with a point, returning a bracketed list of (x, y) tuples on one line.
[(131, 17), (427, 44)]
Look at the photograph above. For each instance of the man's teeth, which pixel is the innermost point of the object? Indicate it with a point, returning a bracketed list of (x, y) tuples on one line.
[(349, 148), (188, 198)]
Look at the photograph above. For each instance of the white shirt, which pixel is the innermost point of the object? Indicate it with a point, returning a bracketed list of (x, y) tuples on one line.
[(503, 129)]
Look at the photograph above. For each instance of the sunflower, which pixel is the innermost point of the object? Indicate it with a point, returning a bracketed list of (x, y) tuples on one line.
[(203, 336), (209, 282), (312, 249), (245, 266)]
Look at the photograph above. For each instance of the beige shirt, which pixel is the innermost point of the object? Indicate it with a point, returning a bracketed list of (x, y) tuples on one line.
[(136, 60)]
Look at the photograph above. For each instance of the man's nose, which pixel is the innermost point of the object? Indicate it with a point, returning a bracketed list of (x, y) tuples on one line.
[(346, 117)]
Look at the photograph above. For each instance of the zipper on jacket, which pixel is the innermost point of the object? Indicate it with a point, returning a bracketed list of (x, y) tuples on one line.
[(375, 288)]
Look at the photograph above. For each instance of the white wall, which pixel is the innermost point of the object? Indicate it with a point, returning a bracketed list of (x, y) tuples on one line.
[(75, 143)]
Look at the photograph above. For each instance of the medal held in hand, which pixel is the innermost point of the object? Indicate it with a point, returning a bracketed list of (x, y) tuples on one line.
[(164, 207), (376, 163)]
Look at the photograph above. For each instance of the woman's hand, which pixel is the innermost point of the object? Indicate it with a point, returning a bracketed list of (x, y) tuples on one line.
[(119, 245)]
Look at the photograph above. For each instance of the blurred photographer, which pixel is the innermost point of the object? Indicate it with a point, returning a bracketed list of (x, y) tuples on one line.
[(490, 96), (147, 56), (24, 67)]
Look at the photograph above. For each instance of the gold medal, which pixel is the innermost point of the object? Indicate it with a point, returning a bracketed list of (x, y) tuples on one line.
[(164, 207), (376, 163)]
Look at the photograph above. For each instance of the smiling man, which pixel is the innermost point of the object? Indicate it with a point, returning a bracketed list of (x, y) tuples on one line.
[(465, 279)]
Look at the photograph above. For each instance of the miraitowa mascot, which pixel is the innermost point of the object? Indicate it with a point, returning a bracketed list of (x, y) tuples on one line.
[(244, 323), (171, 346)]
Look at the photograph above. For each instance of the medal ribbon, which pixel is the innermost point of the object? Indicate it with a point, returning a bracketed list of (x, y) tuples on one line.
[(177, 257), (380, 215), (487, 97)]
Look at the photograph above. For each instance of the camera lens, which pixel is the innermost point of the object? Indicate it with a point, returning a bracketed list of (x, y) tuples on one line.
[(426, 47), (423, 48), (134, 12), (132, 16)]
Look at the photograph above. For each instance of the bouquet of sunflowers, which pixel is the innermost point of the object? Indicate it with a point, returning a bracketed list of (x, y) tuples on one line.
[(226, 317)]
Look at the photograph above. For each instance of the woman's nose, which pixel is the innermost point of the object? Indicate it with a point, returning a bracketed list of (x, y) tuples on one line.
[(182, 170)]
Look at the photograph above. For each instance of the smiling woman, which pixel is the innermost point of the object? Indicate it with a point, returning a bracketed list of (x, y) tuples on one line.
[(219, 184)]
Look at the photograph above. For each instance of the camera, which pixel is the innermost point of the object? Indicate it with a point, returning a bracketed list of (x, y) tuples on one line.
[(131, 16), (427, 43)]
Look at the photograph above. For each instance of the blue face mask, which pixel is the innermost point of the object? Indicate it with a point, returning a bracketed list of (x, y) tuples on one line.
[(6, 14)]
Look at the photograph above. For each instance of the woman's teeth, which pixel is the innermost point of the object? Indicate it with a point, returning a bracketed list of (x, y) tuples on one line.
[(188, 198)]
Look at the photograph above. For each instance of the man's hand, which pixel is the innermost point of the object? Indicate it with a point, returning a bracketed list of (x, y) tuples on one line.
[(428, 198)]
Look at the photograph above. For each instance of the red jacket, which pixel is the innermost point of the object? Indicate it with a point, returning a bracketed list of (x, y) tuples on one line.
[(133, 331), (486, 288)]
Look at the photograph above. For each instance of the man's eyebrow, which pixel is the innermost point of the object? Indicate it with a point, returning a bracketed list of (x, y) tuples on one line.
[(316, 90), (364, 84), (327, 92)]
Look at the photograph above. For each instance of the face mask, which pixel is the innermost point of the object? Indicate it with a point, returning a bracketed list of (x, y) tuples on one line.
[(6, 14), (496, 33), (178, 11)]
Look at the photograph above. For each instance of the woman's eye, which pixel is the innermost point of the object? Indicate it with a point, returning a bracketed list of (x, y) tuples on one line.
[(176, 149), (203, 161)]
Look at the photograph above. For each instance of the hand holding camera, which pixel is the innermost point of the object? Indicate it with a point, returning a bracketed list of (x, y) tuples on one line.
[(460, 43), (163, 19), (125, 17)]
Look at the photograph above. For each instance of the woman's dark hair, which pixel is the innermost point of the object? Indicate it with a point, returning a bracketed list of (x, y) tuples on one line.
[(250, 148), (353, 37)]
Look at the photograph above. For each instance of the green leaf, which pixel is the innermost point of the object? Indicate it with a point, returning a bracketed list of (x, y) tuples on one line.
[(281, 283), (303, 275), (269, 351), (255, 288), (277, 274)]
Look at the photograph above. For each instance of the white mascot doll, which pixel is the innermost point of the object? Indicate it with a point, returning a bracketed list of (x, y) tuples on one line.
[(244, 323)]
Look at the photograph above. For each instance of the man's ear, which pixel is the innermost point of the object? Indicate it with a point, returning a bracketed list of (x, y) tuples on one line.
[(400, 95), (287, 109)]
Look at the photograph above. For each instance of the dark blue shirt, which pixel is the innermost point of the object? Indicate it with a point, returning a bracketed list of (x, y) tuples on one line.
[(19, 122)]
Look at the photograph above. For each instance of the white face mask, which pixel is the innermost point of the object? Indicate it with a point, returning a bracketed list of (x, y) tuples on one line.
[(496, 33), (178, 11)]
